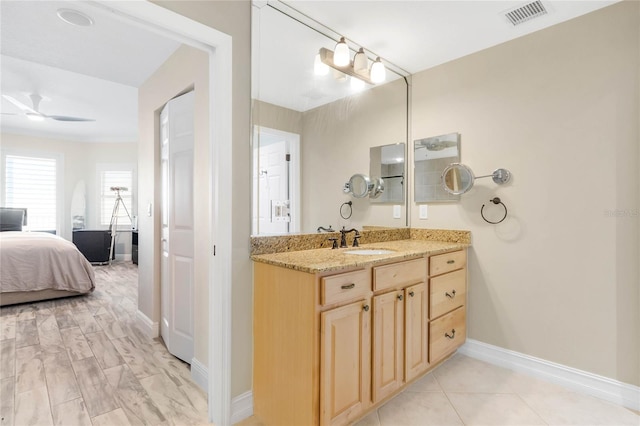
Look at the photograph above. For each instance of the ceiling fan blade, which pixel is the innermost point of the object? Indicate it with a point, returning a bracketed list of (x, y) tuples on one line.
[(67, 118), (23, 107)]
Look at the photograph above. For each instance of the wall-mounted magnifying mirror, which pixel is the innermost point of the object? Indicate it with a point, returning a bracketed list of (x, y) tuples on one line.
[(386, 163), (458, 179), (431, 156), (359, 186)]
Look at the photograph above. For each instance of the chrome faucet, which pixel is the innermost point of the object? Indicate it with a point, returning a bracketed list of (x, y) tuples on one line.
[(322, 228), (343, 237)]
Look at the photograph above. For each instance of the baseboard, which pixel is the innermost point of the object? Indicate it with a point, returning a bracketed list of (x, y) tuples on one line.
[(124, 257), (150, 328), (200, 374), (577, 380), (241, 407)]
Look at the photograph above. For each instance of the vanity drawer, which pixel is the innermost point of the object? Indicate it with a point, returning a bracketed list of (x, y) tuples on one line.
[(447, 292), (399, 274), (344, 287), (446, 334), (443, 263)]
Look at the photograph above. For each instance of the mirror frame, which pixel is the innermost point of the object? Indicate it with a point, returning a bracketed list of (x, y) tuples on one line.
[(457, 166)]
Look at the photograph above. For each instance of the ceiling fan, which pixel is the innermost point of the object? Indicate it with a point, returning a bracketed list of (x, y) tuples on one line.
[(34, 113)]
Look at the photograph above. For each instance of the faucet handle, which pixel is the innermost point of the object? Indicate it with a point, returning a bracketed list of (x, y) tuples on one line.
[(355, 240), (334, 244)]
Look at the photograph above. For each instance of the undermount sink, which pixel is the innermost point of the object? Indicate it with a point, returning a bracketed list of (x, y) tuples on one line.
[(368, 252)]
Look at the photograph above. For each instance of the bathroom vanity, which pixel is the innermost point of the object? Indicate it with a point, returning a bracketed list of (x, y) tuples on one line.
[(338, 334)]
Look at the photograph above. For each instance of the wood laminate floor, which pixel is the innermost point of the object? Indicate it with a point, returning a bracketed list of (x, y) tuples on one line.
[(83, 361)]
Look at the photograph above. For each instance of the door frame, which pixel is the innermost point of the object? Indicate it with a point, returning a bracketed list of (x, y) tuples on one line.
[(219, 47)]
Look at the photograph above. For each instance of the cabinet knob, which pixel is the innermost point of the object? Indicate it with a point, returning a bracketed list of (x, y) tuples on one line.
[(411, 293), (400, 297), (452, 295), (366, 308), (348, 286), (451, 262), (452, 335)]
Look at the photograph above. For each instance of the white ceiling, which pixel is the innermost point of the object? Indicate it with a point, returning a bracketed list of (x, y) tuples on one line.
[(91, 72), (94, 72)]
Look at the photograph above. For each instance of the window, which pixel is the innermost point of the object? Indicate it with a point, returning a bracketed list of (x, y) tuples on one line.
[(31, 183), (116, 179)]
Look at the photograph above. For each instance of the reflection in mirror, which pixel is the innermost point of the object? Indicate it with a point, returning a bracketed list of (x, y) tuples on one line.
[(457, 179), (431, 156), (336, 124), (387, 162)]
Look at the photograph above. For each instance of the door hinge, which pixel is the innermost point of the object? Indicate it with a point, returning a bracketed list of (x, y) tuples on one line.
[(287, 157), (214, 250)]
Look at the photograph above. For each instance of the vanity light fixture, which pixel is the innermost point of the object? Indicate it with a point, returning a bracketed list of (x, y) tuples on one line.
[(357, 69)]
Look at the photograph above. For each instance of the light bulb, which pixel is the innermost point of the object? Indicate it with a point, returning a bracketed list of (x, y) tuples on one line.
[(319, 67), (341, 54), (356, 83), (360, 62), (378, 71)]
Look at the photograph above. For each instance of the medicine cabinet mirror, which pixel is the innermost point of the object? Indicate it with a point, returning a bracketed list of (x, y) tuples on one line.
[(387, 163), (319, 127), (431, 157)]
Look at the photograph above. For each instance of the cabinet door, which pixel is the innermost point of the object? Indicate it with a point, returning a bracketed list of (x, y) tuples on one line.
[(416, 330), (388, 344), (345, 363)]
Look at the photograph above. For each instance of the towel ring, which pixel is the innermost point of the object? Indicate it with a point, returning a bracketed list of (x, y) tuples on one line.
[(495, 200), (348, 211)]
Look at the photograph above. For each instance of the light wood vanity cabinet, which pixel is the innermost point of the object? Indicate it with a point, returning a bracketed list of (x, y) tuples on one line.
[(328, 347)]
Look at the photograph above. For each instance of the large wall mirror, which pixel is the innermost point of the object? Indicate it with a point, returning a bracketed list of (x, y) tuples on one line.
[(431, 156), (312, 132)]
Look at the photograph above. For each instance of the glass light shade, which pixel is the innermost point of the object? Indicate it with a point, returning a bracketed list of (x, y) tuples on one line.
[(341, 54), (378, 71), (356, 83), (319, 67), (360, 62)]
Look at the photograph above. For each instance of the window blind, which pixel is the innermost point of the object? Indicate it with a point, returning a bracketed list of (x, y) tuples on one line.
[(115, 178), (30, 182)]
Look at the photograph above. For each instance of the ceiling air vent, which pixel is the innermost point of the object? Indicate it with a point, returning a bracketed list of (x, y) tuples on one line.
[(525, 12)]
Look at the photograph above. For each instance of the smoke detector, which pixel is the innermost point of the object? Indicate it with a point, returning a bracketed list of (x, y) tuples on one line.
[(525, 13)]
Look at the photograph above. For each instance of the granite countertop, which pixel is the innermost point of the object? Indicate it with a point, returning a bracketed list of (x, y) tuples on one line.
[(327, 259)]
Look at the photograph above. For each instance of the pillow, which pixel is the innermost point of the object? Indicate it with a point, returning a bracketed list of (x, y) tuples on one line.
[(11, 219)]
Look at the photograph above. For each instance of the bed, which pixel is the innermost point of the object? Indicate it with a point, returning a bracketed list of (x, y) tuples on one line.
[(38, 266)]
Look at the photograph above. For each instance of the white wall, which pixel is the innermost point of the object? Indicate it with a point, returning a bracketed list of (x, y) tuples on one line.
[(233, 18), (560, 109), (81, 160)]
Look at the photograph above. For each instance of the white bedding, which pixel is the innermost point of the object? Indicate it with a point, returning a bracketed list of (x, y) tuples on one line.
[(32, 261)]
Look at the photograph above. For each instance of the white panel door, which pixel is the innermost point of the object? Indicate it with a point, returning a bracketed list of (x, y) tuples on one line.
[(177, 269), (273, 189)]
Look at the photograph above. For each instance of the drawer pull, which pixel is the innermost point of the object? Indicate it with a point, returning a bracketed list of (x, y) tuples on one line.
[(400, 297), (348, 286), (366, 308), (451, 262), (411, 293), (453, 334), (452, 295)]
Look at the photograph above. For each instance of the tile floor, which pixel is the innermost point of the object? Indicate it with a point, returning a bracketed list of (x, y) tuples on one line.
[(83, 361), (466, 391)]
